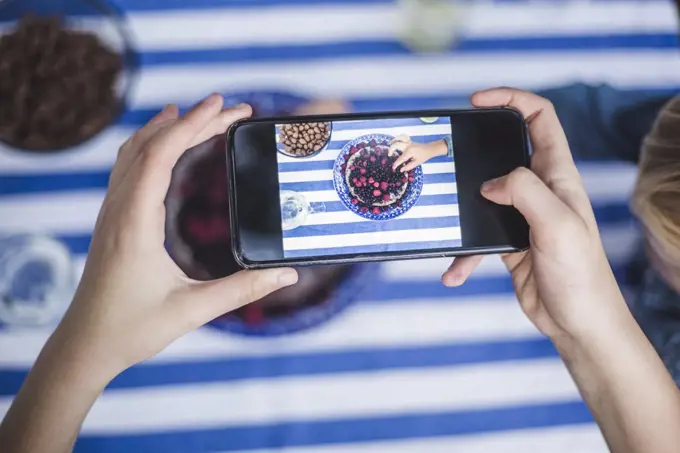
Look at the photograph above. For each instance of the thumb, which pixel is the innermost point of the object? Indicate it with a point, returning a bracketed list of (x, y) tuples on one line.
[(209, 300), (521, 188)]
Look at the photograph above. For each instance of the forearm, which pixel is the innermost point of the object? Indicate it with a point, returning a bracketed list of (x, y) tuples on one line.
[(631, 395), (48, 411)]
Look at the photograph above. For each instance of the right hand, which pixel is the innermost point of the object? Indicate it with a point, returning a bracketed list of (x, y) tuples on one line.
[(564, 282)]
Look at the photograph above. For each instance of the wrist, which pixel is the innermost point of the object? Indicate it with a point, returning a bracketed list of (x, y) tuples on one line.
[(608, 329), (442, 148)]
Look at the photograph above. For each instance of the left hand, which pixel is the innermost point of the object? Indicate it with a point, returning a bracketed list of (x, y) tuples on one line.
[(414, 154), (133, 300)]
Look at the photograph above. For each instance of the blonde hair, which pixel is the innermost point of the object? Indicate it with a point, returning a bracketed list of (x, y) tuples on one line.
[(656, 198)]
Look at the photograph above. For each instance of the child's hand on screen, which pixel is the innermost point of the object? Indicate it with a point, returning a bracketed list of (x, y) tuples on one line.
[(415, 154)]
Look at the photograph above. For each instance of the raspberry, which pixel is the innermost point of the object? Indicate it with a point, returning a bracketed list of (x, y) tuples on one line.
[(411, 179), (384, 185), (372, 158), (386, 197), (363, 171), (351, 167), (376, 193), (355, 201), (376, 184), (353, 150), (376, 210), (371, 180), (363, 209)]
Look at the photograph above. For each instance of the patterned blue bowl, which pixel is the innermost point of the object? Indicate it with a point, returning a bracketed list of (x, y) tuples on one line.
[(409, 199)]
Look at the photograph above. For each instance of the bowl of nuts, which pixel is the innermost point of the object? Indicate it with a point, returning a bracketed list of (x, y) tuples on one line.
[(299, 140), (66, 70)]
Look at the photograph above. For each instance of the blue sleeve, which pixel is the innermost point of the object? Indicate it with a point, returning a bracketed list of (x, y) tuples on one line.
[(604, 123)]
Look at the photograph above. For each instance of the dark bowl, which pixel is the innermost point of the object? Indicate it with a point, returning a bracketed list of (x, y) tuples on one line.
[(83, 45)]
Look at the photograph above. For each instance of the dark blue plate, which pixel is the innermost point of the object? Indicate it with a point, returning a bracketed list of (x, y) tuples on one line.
[(407, 201)]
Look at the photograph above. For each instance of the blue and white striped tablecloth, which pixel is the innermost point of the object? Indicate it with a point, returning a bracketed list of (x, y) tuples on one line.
[(431, 223), (412, 366)]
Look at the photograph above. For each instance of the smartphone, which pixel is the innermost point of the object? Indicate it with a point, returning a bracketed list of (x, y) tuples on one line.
[(369, 187)]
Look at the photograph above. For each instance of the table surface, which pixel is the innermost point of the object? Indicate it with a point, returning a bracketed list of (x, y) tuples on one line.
[(411, 366)]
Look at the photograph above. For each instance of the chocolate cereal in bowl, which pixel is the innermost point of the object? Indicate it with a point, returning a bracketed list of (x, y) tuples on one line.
[(303, 139)]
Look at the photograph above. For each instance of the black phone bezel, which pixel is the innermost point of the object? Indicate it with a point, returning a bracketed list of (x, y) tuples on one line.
[(236, 235)]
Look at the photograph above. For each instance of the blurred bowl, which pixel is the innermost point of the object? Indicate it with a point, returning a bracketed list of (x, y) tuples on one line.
[(39, 90), (199, 240)]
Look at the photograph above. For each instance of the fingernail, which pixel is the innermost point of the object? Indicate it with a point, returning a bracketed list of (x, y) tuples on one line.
[(241, 106), (213, 99), (288, 277), (453, 280), (489, 185)]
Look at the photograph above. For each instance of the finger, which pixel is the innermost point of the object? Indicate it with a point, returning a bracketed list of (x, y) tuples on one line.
[(402, 138), (405, 157), (552, 160), (542, 209), (130, 149), (218, 125), (162, 153), (396, 146), (413, 163), (208, 300), (547, 135), (461, 268)]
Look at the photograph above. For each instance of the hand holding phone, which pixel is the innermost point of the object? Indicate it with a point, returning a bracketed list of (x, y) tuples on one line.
[(363, 187)]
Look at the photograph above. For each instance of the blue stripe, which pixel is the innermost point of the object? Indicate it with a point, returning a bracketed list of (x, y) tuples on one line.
[(363, 249), (309, 186), (342, 431), (387, 48), (302, 165), (373, 227), (52, 182), (313, 364)]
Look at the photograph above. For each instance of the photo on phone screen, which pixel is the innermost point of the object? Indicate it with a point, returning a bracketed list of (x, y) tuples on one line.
[(367, 186)]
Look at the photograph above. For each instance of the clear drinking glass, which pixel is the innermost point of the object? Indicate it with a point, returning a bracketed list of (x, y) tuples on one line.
[(37, 279), (295, 209), (431, 25)]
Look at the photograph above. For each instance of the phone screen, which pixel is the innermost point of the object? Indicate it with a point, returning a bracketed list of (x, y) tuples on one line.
[(367, 186), (334, 188)]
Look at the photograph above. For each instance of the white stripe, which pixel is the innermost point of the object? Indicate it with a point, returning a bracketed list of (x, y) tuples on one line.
[(55, 212), (177, 30), (426, 75), (373, 238), (327, 175), (45, 212), (97, 154), (562, 439), (417, 212), (619, 242), (363, 325), (378, 393)]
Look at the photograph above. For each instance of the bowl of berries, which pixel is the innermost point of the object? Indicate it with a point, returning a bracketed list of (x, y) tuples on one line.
[(368, 185)]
